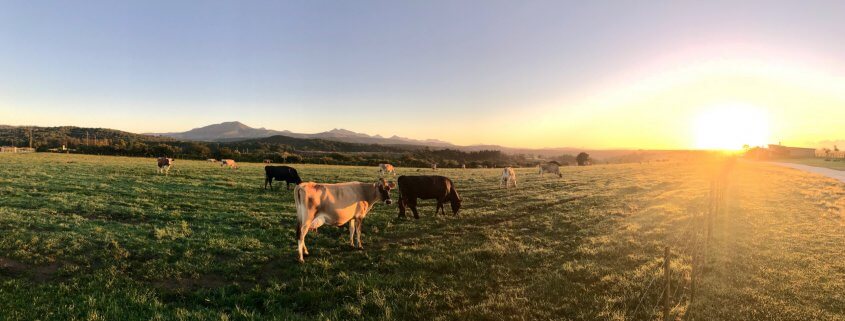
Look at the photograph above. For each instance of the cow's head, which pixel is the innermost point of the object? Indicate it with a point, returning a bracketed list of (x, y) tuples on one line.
[(455, 201), (456, 205), (295, 179), (384, 188)]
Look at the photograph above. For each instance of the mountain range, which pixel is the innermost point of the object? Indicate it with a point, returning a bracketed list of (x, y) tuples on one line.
[(235, 131)]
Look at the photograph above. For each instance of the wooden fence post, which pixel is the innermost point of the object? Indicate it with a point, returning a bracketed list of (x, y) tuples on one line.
[(667, 298)]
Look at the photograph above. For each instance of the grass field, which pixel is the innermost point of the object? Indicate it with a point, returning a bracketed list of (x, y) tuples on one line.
[(838, 164), (105, 238)]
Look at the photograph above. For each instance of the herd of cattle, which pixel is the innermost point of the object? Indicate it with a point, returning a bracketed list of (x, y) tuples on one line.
[(338, 204)]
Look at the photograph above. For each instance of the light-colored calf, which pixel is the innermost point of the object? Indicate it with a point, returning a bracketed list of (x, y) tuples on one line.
[(229, 163), (386, 168), (550, 168), (164, 164), (508, 176)]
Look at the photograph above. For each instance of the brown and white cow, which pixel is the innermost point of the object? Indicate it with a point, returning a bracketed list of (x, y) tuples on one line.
[(228, 163), (550, 168), (434, 166), (164, 164), (336, 204), (508, 176), (211, 160), (386, 168), (268, 161)]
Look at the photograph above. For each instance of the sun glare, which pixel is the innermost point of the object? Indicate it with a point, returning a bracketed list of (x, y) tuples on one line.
[(730, 126)]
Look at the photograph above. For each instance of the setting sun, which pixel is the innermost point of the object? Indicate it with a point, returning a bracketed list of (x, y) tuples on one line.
[(730, 126)]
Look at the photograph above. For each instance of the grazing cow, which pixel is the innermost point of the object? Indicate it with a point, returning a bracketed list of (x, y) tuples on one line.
[(228, 163), (550, 168), (434, 166), (164, 164), (427, 187), (281, 173), (211, 160), (463, 166), (508, 176), (268, 161), (336, 204), (386, 168)]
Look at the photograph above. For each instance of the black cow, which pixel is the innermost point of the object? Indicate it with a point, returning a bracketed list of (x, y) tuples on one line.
[(281, 173), (427, 187)]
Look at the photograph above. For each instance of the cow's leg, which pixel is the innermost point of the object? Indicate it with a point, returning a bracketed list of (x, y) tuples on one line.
[(302, 229), (352, 228), (412, 203), (358, 225), (268, 180), (401, 206), (439, 208)]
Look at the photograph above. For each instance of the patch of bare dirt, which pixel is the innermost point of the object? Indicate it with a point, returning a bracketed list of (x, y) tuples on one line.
[(39, 273), (206, 281)]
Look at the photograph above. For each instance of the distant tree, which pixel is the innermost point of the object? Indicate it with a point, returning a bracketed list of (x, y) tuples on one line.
[(293, 158), (582, 159)]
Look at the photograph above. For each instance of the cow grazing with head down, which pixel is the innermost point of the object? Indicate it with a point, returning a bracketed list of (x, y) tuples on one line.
[(386, 168), (427, 187), (550, 168), (228, 163), (336, 204), (164, 164), (281, 173), (508, 176)]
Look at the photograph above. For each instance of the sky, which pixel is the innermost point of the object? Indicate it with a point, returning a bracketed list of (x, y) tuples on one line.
[(597, 74)]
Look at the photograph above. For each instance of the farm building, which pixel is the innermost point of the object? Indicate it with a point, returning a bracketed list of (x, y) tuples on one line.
[(12, 149), (791, 152)]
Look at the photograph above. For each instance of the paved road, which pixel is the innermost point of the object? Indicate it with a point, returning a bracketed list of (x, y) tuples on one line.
[(832, 173)]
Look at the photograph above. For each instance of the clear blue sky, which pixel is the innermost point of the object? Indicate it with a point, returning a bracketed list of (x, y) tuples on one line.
[(423, 69)]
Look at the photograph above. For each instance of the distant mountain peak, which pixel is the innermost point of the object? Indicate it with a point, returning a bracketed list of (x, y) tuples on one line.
[(341, 131)]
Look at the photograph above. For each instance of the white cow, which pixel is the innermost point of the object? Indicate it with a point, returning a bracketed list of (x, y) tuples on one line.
[(508, 176)]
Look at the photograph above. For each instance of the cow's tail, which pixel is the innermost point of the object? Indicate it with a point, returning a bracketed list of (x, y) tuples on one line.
[(301, 210)]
